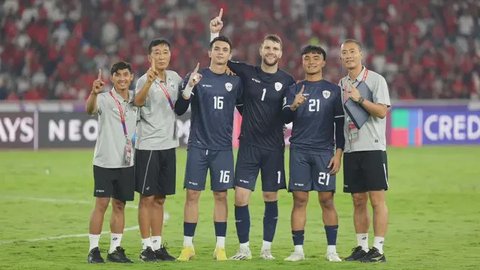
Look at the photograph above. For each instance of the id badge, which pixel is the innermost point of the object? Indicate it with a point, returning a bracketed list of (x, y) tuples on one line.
[(352, 130), (128, 153)]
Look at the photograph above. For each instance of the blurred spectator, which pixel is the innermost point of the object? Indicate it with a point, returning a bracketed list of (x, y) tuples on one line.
[(52, 49)]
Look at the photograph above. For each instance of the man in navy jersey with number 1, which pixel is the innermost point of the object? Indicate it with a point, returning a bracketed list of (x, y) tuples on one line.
[(213, 95), (315, 107), (261, 139)]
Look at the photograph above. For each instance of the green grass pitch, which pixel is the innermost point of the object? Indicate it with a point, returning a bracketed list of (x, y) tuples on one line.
[(434, 205)]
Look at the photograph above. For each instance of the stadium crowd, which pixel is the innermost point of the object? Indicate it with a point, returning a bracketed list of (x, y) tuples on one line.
[(51, 49)]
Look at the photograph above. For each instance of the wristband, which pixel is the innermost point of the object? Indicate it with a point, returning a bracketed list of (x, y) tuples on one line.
[(360, 100), (187, 92)]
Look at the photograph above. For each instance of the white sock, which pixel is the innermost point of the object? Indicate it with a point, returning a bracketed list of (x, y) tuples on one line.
[(298, 249), (362, 240), (93, 239), (245, 245), (221, 241), (115, 240), (146, 242), (378, 243), (266, 245), (187, 241), (331, 249), (156, 242)]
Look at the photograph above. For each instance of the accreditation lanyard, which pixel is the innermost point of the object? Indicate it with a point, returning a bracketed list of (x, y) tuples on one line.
[(167, 95), (122, 113)]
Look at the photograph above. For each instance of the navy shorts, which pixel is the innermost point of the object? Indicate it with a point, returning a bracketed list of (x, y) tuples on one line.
[(365, 171), (220, 164), (251, 159), (310, 171), (118, 183), (155, 172)]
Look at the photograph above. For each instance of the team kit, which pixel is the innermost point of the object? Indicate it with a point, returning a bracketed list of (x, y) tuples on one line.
[(135, 147)]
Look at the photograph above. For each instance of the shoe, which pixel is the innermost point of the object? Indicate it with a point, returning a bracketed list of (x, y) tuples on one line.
[(373, 255), (118, 256), (357, 254), (147, 255), (162, 254), (219, 254), (333, 257), (94, 256), (295, 257), (186, 254), (243, 253), (266, 254)]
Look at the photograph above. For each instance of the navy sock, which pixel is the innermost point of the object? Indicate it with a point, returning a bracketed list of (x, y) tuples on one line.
[(270, 220), (331, 232), (220, 228), (242, 222), (189, 229), (298, 237)]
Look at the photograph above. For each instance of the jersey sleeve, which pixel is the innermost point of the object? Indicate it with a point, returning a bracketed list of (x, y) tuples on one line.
[(380, 92), (289, 96), (181, 105), (140, 82), (239, 68)]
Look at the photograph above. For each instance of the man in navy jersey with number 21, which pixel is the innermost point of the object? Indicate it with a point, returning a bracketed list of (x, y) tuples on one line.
[(315, 107), (261, 139)]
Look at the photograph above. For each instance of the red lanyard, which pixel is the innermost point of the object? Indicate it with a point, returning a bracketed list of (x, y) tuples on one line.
[(165, 91), (122, 113), (365, 74)]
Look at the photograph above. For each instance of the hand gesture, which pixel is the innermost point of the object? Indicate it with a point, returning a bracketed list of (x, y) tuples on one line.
[(195, 77), (98, 83), (353, 92), (216, 24), (300, 98), (152, 73)]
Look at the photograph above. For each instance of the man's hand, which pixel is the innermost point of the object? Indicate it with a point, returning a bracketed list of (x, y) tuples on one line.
[(335, 163), (353, 93), (98, 83), (152, 73), (300, 98), (216, 24), (195, 77)]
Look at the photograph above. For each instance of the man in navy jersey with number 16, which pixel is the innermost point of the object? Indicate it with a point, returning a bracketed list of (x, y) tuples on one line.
[(315, 107), (213, 95), (261, 139)]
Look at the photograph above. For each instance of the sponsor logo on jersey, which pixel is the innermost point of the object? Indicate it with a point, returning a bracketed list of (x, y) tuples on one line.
[(229, 86), (256, 80), (326, 94), (278, 86), (206, 85)]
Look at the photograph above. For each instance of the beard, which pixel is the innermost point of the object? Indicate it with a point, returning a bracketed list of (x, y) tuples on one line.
[(271, 64)]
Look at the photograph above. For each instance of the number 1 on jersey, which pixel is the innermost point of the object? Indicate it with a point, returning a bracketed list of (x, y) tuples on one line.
[(264, 91)]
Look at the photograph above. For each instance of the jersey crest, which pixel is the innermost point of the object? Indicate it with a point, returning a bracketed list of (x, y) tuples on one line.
[(278, 86), (228, 86), (326, 94)]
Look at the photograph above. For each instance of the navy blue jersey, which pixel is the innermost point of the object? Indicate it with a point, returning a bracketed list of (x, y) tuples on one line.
[(314, 121), (213, 103), (262, 123)]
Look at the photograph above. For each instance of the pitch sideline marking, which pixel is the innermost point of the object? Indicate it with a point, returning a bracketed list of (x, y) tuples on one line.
[(53, 200)]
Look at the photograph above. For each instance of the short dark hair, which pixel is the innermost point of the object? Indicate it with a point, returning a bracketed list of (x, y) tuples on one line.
[(351, 40), (221, 38), (157, 42), (314, 49), (120, 65), (274, 38)]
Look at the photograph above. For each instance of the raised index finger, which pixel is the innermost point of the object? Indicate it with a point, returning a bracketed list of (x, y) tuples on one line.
[(302, 89), (153, 64), (196, 68), (99, 74), (220, 14)]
